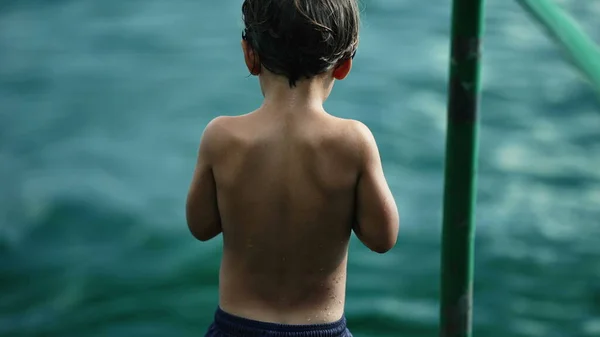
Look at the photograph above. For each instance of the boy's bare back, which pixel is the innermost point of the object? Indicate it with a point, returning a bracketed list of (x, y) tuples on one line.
[(288, 183), (290, 187)]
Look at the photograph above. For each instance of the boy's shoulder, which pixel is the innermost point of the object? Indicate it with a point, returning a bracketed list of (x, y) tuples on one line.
[(353, 130), (224, 131), (224, 127), (217, 135), (348, 138), (228, 124)]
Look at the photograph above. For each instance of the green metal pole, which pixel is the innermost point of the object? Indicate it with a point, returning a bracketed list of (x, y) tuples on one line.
[(461, 170), (568, 34)]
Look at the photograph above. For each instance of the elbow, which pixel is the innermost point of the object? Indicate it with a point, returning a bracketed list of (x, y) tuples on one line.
[(384, 246), (204, 235), (198, 235), (381, 250), (202, 226), (203, 230), (203, 238), (389, 239), (379, 235), (381, 242)]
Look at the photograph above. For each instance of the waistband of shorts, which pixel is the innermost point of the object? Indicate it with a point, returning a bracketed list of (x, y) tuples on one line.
[(239, 326)]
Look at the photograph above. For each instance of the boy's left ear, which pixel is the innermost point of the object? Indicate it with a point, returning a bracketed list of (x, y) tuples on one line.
[(251, 58), (342, 70)]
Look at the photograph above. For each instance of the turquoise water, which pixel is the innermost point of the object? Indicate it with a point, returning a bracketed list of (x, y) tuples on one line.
[(102, 104)]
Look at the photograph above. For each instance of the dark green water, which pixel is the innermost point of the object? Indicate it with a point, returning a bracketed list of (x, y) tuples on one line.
[(102, 104)]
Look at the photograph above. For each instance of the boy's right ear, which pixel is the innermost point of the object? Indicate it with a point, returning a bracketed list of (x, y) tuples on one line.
[(251, 58), (342, 70)]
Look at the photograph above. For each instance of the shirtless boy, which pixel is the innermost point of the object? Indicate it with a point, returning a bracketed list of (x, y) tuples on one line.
[(287, 183)]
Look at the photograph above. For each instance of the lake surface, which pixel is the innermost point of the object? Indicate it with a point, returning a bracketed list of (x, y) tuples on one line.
[(102, 104)]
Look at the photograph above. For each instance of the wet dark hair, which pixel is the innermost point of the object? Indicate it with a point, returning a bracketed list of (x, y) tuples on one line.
[(301, 38)]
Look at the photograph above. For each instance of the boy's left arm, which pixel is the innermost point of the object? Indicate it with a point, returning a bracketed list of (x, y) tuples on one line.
[(202, 212)]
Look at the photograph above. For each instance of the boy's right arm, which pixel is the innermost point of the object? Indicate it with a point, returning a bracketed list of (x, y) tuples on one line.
[(377, 218)]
